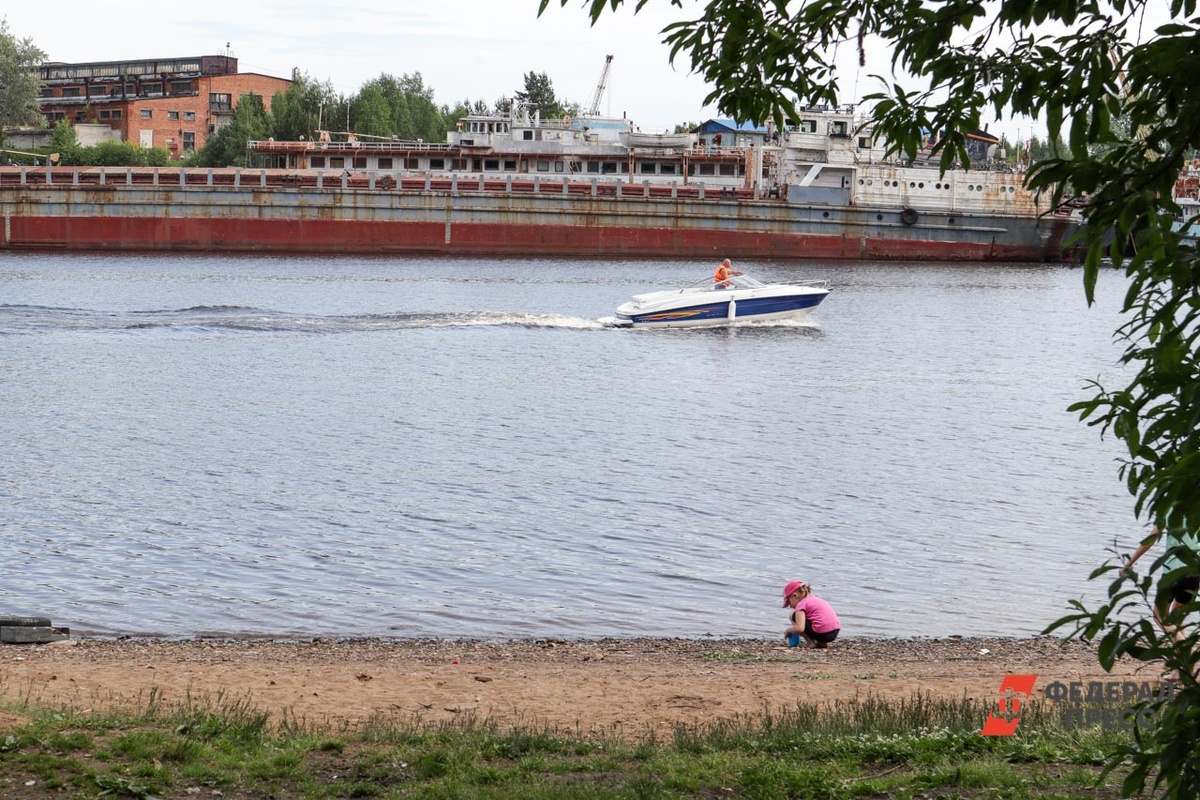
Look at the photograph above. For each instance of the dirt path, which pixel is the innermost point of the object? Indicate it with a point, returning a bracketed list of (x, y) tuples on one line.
[(586, 686)]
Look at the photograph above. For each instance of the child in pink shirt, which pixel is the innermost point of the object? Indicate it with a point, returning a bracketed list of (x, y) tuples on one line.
[(812, 617)]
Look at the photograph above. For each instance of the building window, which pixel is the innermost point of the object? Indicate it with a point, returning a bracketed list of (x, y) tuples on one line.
[(98, 91), (103, 114), (71, 91), (145, 113), (172, 115), (81, 116), (864, 142), (318, 162), (808, 126), (152, 88), (116, 114), (385, 163), (189, 116), (181, 87), (189, 142), (45, 91)]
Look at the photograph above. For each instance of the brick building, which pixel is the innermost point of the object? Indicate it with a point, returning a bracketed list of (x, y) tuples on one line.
[(172, 103)]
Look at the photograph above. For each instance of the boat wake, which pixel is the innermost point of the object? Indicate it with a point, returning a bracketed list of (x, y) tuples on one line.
[(24, 319)]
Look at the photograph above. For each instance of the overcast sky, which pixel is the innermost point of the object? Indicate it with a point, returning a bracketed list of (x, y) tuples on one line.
[(464, 49)]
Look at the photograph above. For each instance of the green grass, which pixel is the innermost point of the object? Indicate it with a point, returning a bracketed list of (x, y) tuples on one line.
[(913, 749)]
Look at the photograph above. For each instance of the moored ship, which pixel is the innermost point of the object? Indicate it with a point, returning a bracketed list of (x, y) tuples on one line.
[(520, 185)]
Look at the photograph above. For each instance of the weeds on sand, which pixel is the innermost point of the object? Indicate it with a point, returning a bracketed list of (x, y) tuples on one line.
[(917, 747)]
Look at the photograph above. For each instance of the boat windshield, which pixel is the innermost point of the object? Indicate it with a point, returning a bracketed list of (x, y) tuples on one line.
[(735, 281)]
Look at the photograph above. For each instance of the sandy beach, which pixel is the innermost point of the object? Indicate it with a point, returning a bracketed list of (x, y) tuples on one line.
[(585, 686)]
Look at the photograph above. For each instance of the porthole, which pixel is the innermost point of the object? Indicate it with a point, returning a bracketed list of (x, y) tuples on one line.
[(937, 186), (825, 215), (879, 217), (860, 182), (951, 220), (921, 185), (869, 182)]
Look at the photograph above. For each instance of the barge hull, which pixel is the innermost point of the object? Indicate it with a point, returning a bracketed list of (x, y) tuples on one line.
[(178, 211)]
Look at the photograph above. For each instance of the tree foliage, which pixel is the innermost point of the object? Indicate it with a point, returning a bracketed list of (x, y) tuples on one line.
[(227, 147), (1077, 65), (296, 113), (539, 97), (19, 83)]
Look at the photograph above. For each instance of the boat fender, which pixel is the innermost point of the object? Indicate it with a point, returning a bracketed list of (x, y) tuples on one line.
[(909, 216), (733, 309)]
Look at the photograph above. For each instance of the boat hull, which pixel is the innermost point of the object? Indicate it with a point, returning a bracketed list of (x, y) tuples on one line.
[(173, 209), (671, 310)]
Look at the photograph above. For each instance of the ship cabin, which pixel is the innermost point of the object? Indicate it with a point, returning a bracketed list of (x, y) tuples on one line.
[(523, 146)]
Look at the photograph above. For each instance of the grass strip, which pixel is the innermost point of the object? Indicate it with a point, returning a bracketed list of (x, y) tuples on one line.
[(918, 747)]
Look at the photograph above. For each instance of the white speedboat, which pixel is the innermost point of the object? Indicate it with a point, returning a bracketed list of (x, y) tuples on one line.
[(706, 303)]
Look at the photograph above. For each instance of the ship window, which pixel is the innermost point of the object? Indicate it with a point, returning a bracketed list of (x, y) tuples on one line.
[(666, 169), (385, 163), (593, 166), (558, 166), (337, 163), (646, 168), (491, 165), (543, 165), (437, 163), (727, 170), (360, 162), (609, 168), (527, 135), (510, 165), (708, 169), (318, 162)]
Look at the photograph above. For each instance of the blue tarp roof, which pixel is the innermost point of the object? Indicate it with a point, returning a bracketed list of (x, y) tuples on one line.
[(729, 125)]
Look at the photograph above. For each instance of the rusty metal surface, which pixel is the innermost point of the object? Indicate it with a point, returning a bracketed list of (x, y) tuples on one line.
[(281, 211)]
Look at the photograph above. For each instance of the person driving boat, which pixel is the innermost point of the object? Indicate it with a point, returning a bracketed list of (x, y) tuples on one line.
[(724, 271)]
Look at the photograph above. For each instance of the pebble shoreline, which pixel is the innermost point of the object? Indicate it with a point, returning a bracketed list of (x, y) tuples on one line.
[(323, 650)]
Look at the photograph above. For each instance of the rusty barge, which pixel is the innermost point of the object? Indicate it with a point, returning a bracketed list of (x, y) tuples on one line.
[(520, 186)]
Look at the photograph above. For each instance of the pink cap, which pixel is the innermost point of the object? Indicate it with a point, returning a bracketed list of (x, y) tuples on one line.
[(791, 587)]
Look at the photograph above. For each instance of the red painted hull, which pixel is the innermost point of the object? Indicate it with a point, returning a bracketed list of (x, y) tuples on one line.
[(341, 219)]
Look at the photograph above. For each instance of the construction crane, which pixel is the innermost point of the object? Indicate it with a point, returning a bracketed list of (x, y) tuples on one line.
[(594, 108)]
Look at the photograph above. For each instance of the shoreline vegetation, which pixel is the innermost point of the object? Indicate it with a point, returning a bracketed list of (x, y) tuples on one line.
[(547, 718)]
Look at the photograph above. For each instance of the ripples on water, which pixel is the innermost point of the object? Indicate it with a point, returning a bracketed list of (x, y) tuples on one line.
[(450, 447)]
